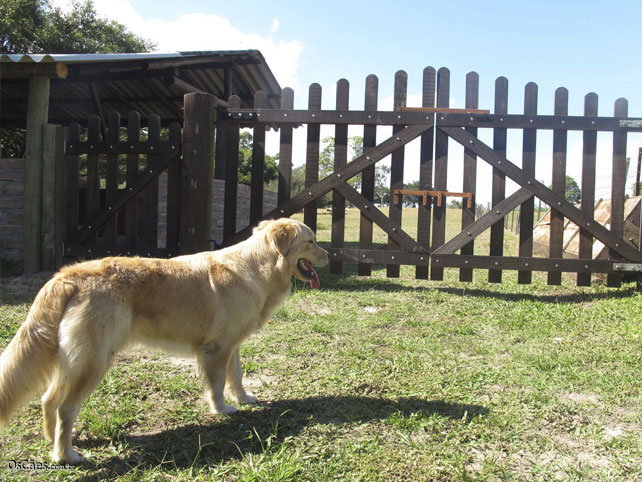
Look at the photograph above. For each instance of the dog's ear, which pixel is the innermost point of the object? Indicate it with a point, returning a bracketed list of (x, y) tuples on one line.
[(283, 235), (263, 225)]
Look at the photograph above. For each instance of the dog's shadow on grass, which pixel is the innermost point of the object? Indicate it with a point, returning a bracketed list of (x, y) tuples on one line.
[(249, 430)]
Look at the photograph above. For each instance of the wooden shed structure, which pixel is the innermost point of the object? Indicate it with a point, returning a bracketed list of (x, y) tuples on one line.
[(63, 89)]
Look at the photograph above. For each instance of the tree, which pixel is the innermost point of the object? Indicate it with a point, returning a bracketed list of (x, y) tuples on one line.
[(34, 26), (270, 169), (573, 193)]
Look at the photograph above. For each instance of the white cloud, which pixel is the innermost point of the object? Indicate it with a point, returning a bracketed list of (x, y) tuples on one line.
[(198, 31)]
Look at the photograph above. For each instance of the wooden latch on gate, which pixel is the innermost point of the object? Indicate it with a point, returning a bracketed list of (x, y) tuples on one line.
[(440, 195)]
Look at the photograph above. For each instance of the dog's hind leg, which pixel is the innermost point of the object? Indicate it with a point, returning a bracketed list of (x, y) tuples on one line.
[(214, 359), (235, 380), (50, 402), (86, 351)]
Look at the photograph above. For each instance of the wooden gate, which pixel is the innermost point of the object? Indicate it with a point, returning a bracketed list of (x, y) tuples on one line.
[(435, 123), (112, 204)]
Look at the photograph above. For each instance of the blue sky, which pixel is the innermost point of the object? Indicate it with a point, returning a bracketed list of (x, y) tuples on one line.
[(585, 46)]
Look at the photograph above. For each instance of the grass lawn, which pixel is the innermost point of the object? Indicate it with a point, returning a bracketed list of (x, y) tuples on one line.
[(379, 379)]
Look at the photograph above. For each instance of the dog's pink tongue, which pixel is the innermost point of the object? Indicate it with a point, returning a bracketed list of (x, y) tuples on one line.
[(314, 282)]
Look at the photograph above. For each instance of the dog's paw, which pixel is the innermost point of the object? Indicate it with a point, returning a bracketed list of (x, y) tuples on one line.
[(248, 398), (72, 457), (224, 409)]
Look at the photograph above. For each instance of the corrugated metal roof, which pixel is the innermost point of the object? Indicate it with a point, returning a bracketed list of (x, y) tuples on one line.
[(87, 84)]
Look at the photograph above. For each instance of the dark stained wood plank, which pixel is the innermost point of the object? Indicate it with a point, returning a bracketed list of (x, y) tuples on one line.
[(589, 151), (231, 173), (198, 173), (174, 174), (397, 166), (441, 171), (499, 179), (131, 211), (258, 161), (618, 186), (312, 156), (556, 238), (516, 263), (470, 173), (447, 118), (111, 182), (340, 160), (527, 209), (285, 152), (368, 174), (150, 216), (424, 212), (71, 185), (93, 179), (378, 256)]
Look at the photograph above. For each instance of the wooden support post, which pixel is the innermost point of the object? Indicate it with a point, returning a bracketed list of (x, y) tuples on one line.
[(37, 116), (198, 163), (53, 196)]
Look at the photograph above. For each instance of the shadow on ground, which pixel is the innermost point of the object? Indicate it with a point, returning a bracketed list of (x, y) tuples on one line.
[(246, 431)]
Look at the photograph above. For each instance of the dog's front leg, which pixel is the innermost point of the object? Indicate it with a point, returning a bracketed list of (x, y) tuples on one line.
[(214, 359), (235, 380)]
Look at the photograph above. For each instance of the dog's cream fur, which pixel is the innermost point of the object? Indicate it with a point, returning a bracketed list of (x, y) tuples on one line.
[(204, 304)]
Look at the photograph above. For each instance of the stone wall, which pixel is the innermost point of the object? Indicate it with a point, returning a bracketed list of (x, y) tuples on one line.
[(12, 189)]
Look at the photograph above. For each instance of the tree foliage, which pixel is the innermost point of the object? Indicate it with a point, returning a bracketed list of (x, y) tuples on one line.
[(270, 171), (35, 26)]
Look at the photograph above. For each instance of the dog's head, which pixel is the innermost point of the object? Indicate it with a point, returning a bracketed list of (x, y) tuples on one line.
[(296, 243)]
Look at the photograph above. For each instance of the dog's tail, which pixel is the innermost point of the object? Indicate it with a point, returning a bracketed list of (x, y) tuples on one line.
[(28, 361)]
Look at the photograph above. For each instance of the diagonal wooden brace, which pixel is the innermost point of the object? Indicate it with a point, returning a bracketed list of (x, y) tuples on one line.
[(486, 221), (558, 202), (393, 230)]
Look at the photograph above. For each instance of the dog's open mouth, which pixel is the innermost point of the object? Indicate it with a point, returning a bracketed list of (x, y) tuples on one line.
[(307, 271)]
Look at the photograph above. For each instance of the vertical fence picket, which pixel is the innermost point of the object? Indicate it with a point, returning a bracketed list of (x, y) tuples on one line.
[(396, 167), (441, 171), (174, 173), (556, 239), (312, 156), (93, 179), (618, 186), (111, 182), (131, 210), (71, 185), (499, 178), (258, 161), (150, 219), (526, 210), (340, 160), (231, 171), (589, 150), (368, 174), (470, 173), (425, 169), (285, 152)]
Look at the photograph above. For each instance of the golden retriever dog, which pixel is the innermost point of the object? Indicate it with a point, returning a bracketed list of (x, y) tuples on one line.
[(204, 304)]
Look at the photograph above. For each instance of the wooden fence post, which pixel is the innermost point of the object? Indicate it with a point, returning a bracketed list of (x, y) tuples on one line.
[(198, 163), (53, 196), (37, 116)]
